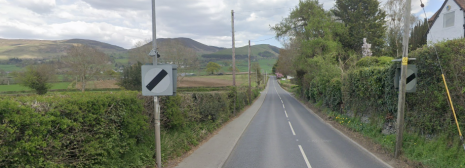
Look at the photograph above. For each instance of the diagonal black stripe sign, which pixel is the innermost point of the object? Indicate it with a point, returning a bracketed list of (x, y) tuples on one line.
[(411, 77), (157, 79)]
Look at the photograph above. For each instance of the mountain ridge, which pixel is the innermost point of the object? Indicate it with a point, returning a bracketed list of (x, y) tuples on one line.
[(40, 49)]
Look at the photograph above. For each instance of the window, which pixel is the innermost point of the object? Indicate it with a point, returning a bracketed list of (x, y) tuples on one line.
[(449, 19)]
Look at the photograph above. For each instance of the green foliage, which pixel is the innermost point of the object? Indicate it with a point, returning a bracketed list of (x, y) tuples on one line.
[(368, 90), (418, 35), (131, 77), (374, 61), (273, 70), (363, 19), (37, 77), (73, 130), (213, 67), (188, 118)]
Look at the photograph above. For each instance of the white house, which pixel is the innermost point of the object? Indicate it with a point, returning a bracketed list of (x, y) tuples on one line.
[(448, 22)]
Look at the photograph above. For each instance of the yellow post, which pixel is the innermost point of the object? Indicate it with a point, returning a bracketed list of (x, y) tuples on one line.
[(452, 105)]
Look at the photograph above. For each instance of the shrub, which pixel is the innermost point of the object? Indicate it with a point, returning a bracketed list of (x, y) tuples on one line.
[(73, 130)]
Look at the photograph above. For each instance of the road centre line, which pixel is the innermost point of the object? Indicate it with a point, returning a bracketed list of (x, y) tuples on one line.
[(291, 127), (305, 157), (283, 106), (286, 113)]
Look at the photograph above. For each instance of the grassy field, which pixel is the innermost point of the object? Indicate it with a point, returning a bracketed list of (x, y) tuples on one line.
[(10, 68), (255, 49), (4, 88), (241, 79), (242, 65), (122, 61)]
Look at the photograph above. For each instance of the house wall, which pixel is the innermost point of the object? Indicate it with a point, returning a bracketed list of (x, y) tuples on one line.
[(439, 33)]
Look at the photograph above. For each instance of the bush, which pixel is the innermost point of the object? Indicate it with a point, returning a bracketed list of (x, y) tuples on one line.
[(131, 78), (370, 90), (374, 61), (73, 130), (107, 129), (37, 77)]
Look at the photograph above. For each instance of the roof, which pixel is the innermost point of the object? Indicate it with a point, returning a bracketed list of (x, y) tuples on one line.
[(460, 3)]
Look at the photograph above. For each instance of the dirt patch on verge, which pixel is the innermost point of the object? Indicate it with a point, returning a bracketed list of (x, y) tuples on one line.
[(366, 142)]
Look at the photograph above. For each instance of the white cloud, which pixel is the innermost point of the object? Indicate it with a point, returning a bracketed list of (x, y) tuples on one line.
[(123, 22), (38, 6)]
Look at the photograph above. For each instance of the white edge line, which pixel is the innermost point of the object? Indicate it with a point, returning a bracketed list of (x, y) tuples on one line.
[(291, 128), (344, 135), (305, 157)]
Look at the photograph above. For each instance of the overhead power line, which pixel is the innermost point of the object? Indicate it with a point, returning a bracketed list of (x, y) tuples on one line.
[(262, 40)]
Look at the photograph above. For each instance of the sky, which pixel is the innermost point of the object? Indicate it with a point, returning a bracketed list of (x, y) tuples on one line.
[(125, 22)]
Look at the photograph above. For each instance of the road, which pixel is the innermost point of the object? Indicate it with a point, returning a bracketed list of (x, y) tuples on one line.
[(284, 134)]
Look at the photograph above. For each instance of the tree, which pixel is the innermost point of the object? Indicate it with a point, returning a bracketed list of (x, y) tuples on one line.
[(231, 68), (273, 70), (140, 52), (256, 68), (131, 77), (317, 34), (287, 58), (37, 77), (85, 62), (213, 67), (418, 35), (395, 22), (171, 52), (363, 19)]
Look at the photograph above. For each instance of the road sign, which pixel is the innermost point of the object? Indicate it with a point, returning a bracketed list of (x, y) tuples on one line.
[(158, 80), (411, 78)]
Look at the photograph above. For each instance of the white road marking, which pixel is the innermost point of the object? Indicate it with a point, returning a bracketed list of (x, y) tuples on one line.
[(282, 101), (283, 106), (286, 113), (305, 157), (291, 128)]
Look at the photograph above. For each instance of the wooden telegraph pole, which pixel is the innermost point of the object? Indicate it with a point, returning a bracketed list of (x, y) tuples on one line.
[(233, 57), (250, 86), (402, 85), (233, 49)]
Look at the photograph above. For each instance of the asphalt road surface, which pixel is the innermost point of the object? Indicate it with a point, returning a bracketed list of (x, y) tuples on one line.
[(284, 134)]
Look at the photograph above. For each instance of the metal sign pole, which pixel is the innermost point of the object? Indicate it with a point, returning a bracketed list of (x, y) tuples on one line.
[(155, 98)]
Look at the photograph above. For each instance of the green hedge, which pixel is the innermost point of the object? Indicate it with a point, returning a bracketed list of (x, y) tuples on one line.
[(369, 89), (73, 130), (107, 129)]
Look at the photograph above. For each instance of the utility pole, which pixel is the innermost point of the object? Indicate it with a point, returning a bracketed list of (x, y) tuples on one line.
[(233, 49), (402, 85), (155, 98), (233, 58), (250, 86), (264, 79)]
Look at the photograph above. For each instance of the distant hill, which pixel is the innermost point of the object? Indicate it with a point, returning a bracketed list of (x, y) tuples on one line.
[(103, 46), (199, 48), (32, 49), (257, 51)]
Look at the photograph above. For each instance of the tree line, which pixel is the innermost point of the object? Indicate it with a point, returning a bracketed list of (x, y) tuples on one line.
[(334, 37)]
